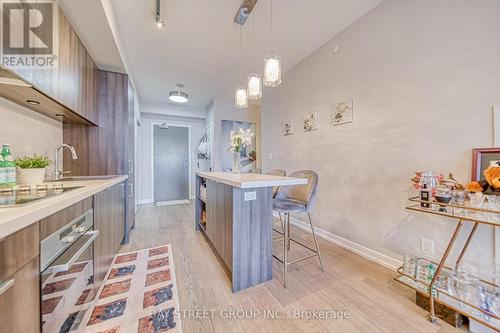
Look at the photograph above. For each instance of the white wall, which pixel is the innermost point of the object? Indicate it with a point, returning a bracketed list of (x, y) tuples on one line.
[(144, 165), (219, 110), (28, 132), (423, 76)]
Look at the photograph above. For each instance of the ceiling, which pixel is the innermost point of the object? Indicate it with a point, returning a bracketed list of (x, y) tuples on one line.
[(90, 23), (200, 45)]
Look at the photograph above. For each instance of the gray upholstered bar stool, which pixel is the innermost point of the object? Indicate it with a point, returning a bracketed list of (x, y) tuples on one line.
[(276, 172), (294, 200)]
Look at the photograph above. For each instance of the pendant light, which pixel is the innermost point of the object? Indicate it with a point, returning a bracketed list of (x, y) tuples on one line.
[(240, 96), (254, 81), (272, 63)]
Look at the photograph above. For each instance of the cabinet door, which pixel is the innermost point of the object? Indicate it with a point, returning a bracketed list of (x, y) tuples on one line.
[(119, 218), (104, 244), (211, 197), (20, 303)]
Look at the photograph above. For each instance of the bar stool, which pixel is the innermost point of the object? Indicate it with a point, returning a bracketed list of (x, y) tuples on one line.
[(293, 200), (276, 172)]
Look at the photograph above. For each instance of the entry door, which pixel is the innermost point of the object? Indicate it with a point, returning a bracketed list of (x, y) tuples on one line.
[(171, 163)]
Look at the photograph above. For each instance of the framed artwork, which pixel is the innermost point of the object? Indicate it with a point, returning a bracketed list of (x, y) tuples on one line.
[(310, 121), (287, 127), (343, 113), (482, 158)]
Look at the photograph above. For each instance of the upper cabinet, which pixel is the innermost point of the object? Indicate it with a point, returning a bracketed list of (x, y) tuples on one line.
[(73, 83)]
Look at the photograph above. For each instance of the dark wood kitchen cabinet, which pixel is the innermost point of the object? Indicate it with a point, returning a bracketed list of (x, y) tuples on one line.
[(107, 149), (74, 82), (109, 219), (20, 281)]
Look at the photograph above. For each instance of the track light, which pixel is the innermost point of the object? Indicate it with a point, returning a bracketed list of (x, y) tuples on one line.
[(160, 23)]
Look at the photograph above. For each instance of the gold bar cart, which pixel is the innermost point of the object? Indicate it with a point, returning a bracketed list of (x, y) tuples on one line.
[(463, 214)]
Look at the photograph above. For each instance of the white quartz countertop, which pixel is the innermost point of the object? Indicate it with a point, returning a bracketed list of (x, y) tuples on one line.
[(251, 180), (16, 218)]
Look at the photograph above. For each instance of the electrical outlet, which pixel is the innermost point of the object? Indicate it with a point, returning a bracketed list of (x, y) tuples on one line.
[(427, 246)]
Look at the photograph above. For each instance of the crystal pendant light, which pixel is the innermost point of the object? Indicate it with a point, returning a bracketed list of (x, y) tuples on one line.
[(272, 71), (272, 64), (240, 95), (254, 80), (240, 98), (254, 86)]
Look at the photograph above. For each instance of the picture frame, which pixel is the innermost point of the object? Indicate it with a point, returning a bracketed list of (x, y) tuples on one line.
[(310, 121), (287, 127), (481, 160), (343, 113)]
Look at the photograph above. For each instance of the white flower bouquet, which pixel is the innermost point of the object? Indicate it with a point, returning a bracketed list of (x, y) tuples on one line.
[(240, 139)]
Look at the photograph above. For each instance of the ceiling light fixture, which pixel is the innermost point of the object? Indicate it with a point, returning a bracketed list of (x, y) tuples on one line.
[(178, 97), (240, 96), (272, 63), (159, 21), (254, 81)]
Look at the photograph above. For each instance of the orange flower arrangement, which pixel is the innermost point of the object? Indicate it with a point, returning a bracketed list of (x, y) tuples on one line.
[(474, 187), (492, 176)]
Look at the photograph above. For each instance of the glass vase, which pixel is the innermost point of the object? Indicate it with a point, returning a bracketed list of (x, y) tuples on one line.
[(236, 163)]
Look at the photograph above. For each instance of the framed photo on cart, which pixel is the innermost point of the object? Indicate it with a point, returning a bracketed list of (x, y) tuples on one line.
[(482, 158)]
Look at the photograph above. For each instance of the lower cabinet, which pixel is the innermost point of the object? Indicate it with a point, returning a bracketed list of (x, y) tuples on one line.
[(20, 282), (109, 219)]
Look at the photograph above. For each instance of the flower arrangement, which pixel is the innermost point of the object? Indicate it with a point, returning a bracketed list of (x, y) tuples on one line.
[(491, 184), (240, 139), (450, 182)]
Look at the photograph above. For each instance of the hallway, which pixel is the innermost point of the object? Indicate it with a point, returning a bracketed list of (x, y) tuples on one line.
[(354, 287)]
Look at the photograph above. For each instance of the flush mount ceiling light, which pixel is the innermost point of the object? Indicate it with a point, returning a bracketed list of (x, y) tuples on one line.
[(178, 97), (272, 64), (159, 21)]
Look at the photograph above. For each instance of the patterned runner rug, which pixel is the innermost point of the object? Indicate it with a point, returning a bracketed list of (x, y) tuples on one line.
[(138, 295)]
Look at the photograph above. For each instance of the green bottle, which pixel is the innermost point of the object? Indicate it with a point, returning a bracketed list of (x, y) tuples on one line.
[(3, 172), (9, 165)]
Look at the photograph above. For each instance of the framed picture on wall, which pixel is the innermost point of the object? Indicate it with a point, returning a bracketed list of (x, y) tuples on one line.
[(287, 127), (310, 122), (482, 158)]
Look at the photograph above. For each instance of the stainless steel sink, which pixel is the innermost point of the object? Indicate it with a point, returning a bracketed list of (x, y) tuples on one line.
[(81, 178)]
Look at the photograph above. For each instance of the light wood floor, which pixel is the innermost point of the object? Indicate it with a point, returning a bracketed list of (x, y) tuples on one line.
[(350, 283)]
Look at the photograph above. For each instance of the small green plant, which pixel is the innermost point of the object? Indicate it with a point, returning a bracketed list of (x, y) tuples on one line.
[(33, 162)]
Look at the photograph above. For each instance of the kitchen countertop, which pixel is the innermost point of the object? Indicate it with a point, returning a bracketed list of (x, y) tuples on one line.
[(16, 218), (251, 180)]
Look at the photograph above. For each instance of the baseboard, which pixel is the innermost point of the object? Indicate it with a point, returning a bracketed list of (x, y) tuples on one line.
[(145, 201), (174, 202), (361, 250)]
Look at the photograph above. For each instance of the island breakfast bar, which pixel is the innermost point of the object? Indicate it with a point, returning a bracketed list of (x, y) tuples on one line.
[(235, 214)]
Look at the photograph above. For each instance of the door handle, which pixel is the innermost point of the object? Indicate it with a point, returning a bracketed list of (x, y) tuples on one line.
[(66, 266), (131, 190), (5, 285)]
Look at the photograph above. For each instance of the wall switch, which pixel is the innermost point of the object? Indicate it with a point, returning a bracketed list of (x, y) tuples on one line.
[(269, 156), (427, 246), (250, 196)]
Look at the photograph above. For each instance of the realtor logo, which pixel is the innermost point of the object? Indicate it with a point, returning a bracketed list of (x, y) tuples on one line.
[(29, 33)]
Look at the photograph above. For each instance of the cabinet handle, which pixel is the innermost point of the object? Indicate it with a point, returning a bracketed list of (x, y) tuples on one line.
[(5, 285)]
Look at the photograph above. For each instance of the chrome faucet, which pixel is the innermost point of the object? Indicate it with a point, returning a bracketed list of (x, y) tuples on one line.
[(57, 173)]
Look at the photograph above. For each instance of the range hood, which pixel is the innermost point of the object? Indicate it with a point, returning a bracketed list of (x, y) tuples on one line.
[(16, 89)]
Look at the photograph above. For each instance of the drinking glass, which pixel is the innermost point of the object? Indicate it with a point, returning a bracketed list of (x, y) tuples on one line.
[(409, 264), (443, 195), (465, 282), (476, 200), (493, 204), (458, 199)]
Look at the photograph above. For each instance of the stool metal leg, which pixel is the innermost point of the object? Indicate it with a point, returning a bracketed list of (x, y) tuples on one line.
[(285, 250), (289, 234), (315, 241)]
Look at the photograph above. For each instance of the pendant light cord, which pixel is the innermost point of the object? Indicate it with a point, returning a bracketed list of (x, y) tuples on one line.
[(272, 39), (241, 53), (254, 17)]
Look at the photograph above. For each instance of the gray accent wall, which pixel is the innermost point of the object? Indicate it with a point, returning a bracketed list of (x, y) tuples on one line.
[(424, 76)]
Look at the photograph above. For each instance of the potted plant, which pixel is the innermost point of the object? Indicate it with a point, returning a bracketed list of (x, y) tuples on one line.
[(32, 168)]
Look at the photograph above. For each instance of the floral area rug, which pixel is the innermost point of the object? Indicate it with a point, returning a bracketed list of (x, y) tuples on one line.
[(139, 295)]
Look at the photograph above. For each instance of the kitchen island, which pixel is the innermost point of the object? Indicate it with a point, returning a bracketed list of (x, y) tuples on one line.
[(235, 214)]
